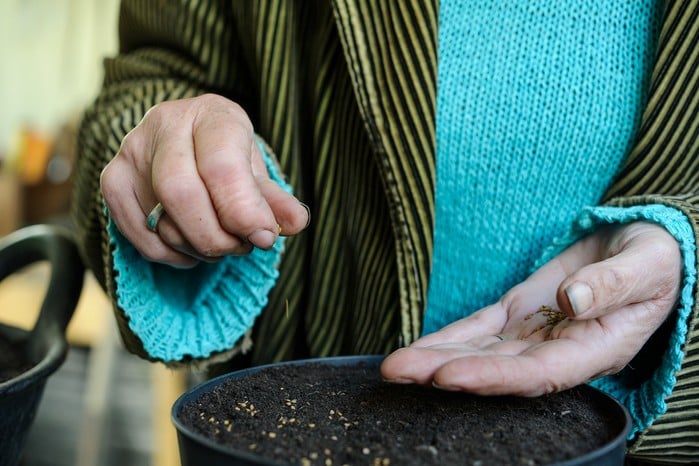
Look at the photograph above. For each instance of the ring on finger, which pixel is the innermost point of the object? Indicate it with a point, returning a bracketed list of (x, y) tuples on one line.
[(154, 217)]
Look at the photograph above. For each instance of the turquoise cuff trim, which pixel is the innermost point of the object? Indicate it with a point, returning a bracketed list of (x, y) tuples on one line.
[(647, 401), (193, 313)]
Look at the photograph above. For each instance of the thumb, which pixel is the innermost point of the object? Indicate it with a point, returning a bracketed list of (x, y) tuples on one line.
[(644, 269), (292, 215)]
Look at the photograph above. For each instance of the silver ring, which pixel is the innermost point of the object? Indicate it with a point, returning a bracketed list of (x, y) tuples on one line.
[(154, 217)]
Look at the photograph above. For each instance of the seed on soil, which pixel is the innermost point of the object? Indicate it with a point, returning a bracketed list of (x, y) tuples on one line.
[(370, 410)]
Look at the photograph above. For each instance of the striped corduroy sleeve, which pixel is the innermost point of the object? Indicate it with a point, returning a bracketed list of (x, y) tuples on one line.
[(196, 53)]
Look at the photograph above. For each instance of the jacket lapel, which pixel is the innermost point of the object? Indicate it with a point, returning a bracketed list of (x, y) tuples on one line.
[(669, 129), (391, 50)]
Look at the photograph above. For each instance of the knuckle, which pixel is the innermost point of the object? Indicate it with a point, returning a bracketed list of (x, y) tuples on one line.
[(155, 115), (161, 109), (243, 249), (243, 213), (613, 279), (166, 116), (243, 126), (213, 250), (113, 181), (156, 252), (108, 184), (170, 236), (550, 386), (665, 253), (176, 190), (214, 246), (131, 145), (131, 140), (210, 99), (159, 252), (218, 104)]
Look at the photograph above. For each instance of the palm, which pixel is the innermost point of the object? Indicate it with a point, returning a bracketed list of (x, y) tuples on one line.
[(516, 347)]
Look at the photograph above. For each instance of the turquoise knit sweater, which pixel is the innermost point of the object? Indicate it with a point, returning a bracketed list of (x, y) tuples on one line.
[(537, 103), (537, 107)]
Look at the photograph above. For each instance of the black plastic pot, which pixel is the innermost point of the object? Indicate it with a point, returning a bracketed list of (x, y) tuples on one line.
[(45, 345), (196, 449)]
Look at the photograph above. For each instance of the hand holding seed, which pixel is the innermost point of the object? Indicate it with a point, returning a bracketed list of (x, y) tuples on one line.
[(190, 183), (583, 315)]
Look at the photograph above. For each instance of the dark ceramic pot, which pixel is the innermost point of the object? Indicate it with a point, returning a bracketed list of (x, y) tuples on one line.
[(45, 346), (196, 449)]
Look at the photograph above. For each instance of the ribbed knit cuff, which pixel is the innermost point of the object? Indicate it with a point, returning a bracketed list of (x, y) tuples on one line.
[(646, 401), (193, 313)]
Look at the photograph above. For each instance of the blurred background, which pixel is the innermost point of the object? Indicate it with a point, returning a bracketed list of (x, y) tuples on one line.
[(103, 407), (51, 55)]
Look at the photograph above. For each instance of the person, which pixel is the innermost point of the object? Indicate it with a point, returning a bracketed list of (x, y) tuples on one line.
[(503, 194)]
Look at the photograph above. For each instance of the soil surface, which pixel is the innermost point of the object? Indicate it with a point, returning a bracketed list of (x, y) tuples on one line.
[(318, 414), (12, 359)]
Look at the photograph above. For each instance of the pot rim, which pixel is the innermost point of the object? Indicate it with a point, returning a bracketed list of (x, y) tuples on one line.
[(51, 360), (194, 393)]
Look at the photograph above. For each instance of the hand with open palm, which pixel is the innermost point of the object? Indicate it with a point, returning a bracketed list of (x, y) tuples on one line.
[(614, 289)]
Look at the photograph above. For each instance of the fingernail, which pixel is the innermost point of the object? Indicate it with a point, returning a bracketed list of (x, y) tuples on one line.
[(446, 388), (399, 380), (580, 297), (263, 239), (308, 211)]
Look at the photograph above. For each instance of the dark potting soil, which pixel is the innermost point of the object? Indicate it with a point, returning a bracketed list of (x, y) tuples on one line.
[(318, 414), (12, 359)]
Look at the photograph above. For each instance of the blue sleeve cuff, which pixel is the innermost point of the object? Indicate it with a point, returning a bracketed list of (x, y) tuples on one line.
[(645, 402), (181, 313)]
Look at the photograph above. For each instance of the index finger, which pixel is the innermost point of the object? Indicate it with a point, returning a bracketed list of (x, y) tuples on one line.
[(547, 367), (488, 321)]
